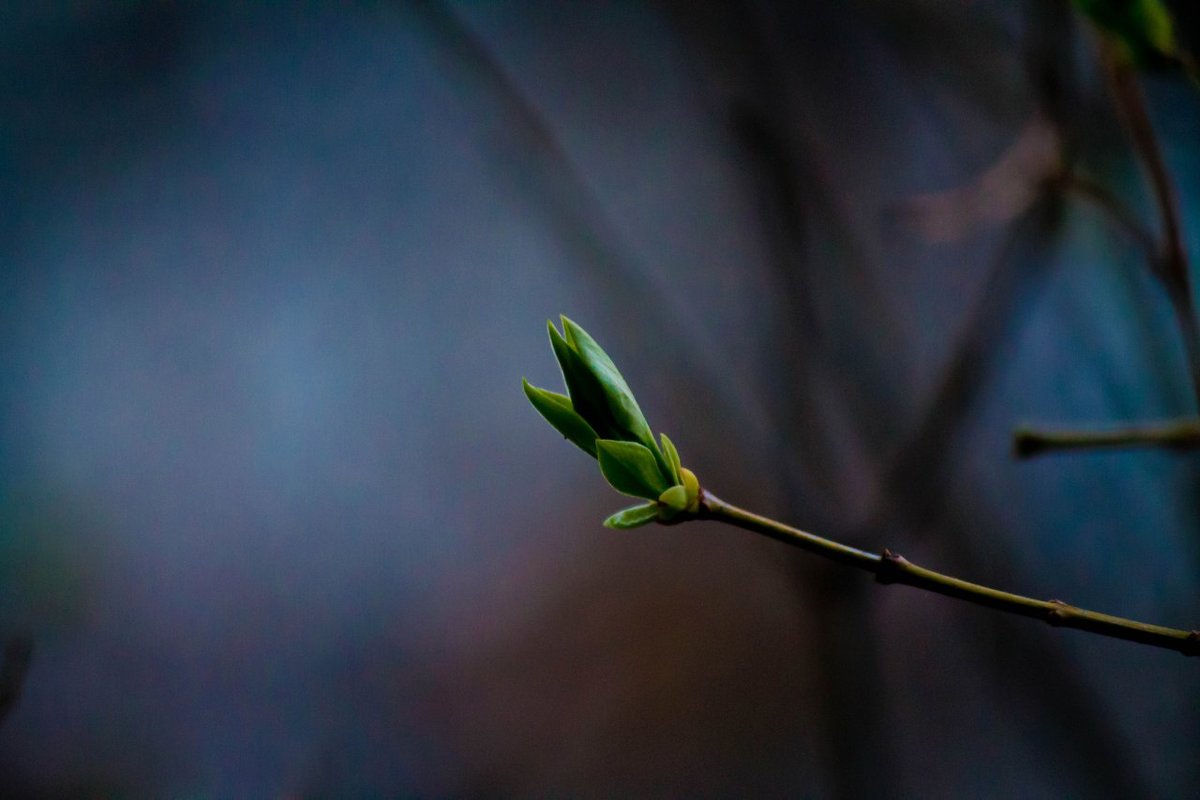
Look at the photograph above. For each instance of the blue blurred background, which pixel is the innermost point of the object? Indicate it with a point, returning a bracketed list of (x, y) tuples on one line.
[(278, 521)]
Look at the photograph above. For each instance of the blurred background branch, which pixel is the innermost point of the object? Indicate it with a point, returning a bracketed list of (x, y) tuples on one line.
[(1120, 51), (18, 651)]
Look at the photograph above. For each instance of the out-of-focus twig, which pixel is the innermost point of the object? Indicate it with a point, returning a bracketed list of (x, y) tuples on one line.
[(1088, 188), (1001, 194), (1170, 263), (17, 654), (1181, 434)]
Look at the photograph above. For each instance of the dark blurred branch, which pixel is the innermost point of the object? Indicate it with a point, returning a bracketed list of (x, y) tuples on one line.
[(17, 654), (1088, 188), (572, 206), (1177, 434), (892, 568), (802, 210), (913, 476), (1000, 194), (1170, 261)]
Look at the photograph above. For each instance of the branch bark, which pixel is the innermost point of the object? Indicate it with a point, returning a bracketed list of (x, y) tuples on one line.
[(890, 567)]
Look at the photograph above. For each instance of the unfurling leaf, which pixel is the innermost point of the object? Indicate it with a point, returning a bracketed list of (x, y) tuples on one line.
[(587, 395), (623, 408), (633, 517), (631, 468), (559, 412)]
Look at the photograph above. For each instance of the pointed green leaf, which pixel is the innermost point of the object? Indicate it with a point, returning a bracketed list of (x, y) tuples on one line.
[(588, 396), (631, 468), (557, 410), (633, 517), (672, 456), (622, 406)]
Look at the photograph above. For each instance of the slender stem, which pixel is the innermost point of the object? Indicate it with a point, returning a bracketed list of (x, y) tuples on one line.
[(1183, 434), (892, 568)]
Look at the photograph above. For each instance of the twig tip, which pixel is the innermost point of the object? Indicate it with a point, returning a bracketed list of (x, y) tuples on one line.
[(1027, 443)]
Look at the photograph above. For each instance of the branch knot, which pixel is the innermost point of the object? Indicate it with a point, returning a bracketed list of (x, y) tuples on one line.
[(1060, 613), (891, 566)]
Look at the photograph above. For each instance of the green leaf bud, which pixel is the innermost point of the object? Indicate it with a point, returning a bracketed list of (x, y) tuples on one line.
[(600, 416), (622, 408)]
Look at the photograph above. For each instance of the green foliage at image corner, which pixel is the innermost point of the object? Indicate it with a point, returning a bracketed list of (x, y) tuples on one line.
[(1143, 31)]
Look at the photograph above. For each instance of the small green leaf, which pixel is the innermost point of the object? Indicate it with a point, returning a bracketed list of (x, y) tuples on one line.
[(675, 498), (672, 455), (633, 517), (631, 468), (557, 410)]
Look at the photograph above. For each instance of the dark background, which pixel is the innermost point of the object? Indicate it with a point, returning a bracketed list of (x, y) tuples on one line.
[(278, 520)]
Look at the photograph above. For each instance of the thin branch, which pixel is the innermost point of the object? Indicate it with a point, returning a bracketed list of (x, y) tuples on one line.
[(1183, 434), (1171, 262), (1088, 188), (17, 654), (892, 568)]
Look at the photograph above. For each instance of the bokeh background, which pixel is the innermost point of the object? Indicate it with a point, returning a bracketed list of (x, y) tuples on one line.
[(276, 520)]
